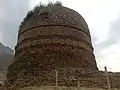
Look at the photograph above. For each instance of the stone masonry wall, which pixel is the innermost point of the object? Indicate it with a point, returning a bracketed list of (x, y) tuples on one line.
[(61, 88), (66, 77), (54, 30), (57, 38)]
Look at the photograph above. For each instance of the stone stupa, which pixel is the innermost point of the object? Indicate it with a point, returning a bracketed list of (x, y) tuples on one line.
[(52, 38)]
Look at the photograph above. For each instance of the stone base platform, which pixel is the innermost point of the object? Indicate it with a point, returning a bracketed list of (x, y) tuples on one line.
[(66, 78), (61, 88)]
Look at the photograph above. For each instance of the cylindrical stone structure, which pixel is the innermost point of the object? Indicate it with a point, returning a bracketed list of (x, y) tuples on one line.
[(52, 38)]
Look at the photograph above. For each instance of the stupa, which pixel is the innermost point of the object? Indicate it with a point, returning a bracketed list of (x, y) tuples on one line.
[(54, 38)]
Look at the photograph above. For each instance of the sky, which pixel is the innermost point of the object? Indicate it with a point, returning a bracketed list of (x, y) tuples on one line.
[(102, 17)]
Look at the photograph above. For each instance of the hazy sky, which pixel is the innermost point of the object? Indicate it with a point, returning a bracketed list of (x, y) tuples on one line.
[(11, 14), (102, 16)]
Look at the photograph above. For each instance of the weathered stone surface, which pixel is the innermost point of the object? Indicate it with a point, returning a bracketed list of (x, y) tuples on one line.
[(64, 35), (57, 15), (57, 38), (61, 88), (52, 31), (66, 77)]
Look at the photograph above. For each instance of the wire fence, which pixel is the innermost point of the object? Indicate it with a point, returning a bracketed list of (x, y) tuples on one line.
[(3, 77)]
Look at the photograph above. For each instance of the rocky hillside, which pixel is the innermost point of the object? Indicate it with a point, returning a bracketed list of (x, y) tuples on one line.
[(6, 55)]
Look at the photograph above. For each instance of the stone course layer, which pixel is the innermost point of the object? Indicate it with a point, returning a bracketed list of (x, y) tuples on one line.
[(56, 38)]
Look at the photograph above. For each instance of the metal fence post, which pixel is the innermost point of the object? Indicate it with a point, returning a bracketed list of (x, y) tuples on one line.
[(78, 84), (56, 79), (107, 77)]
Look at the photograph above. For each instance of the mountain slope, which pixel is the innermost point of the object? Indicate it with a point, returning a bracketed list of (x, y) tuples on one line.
[(6, 55)]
